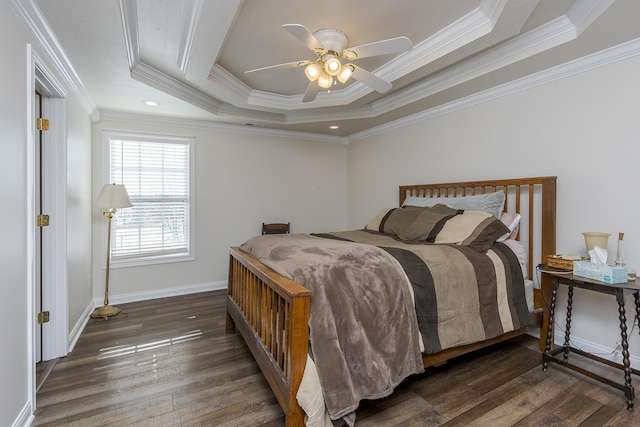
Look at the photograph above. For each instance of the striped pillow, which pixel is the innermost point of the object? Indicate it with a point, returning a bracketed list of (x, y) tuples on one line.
[(440, 224)]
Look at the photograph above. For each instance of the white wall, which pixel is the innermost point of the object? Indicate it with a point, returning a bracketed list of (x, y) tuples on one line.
[(18, 221), (79, 210), (242, 179), (14, 260), (583, 129)]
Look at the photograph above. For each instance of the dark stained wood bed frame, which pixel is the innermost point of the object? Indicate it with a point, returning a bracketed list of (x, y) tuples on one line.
[(272, 312)]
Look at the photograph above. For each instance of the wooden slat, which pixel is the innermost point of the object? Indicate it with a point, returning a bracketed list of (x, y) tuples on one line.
[(281, 348)]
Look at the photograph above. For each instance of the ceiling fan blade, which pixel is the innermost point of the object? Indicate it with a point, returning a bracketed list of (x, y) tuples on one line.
[(303, 35), (382, 47), (311, 92), (374, 82), (280, 66)]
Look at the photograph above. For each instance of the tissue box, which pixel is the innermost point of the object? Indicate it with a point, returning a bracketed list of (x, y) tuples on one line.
[(603, 273)]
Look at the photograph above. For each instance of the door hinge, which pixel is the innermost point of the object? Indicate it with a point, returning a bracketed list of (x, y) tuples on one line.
[(42, 124), (42, 220), (43, 317)]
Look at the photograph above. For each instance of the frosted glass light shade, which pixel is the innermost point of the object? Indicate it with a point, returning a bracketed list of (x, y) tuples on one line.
[(345, 73), (113, 196), (332, 66), (325, 81), (313, 71)]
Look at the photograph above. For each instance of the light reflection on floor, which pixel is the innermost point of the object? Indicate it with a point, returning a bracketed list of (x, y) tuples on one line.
[(123, 350)]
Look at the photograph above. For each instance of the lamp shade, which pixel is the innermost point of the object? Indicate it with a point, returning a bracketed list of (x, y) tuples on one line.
[(332, 66), (345, 73), (312, 71), (113, 196), (325, 80)]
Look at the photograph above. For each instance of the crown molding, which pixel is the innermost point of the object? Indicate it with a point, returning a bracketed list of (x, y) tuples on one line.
[(552, 34), (555, 33), (161, 81), (221, 127), (205, 25), (582, 14), (470, 27), (52, 51), (190, 14), (129, 14), (466, 29), (228, 86), (618, 53)]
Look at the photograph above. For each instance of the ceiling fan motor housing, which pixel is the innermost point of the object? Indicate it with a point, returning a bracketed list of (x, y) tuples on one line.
[(332, 40)]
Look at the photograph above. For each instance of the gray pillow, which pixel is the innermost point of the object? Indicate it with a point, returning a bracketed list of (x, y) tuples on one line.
[(492, 203)]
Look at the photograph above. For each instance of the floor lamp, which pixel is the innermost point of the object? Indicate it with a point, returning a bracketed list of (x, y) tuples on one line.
[(111, 198)]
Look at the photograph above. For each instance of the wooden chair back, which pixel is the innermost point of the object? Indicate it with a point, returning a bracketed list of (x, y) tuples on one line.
[(276, 228)]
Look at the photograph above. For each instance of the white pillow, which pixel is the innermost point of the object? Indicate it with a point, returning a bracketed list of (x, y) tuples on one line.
[(512, 221), (520, 251), (490, 202)]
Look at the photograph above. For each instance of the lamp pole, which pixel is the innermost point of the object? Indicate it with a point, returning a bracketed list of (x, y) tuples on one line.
[(112, 197), (107, 310)]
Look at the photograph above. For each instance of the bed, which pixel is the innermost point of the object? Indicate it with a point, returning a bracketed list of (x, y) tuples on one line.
[(272, 312)]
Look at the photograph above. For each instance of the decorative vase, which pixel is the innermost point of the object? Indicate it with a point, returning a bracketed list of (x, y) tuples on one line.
[(593, 239), (620, 254)]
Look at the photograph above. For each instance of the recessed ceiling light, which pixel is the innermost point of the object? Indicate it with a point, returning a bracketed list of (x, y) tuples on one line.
[(151, 103), (333, 127)]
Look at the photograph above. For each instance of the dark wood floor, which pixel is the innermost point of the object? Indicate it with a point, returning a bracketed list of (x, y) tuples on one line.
[(168, 362)]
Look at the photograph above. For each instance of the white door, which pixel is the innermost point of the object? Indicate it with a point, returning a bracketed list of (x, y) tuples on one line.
[(39, 231), (43, 277)]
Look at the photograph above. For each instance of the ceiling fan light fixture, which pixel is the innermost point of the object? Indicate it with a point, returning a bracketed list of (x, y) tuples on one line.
[(349, 55), (345, 73), (332, 66), (325, 81), (313, 71)]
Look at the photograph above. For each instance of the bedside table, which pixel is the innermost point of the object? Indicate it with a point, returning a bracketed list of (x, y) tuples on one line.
[(620, 291)]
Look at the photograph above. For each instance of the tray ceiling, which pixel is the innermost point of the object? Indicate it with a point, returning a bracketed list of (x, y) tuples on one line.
[(191, 55)]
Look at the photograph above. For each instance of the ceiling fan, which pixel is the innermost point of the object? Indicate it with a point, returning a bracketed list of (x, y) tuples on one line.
[(330, 46)]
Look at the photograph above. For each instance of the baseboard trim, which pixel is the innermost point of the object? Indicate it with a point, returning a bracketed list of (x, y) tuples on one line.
[(593, 348), (25, 418), (79, 327), (161, 293)]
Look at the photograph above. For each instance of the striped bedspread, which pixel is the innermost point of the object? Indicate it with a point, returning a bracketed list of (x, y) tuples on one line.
[(461, 295), (374, 296)]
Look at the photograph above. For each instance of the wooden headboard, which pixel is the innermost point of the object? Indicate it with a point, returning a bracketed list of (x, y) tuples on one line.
[(533, 198)]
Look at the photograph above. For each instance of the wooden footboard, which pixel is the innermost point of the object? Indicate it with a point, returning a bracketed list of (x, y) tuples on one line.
[(272, 314)]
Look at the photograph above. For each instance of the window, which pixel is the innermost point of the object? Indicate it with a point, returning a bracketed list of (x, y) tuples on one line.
[(156, 171)]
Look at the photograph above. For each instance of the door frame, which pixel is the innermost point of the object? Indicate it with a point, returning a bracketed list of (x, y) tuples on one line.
[(55, 294)]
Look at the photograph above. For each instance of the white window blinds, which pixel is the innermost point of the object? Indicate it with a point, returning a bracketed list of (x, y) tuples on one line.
[(156, 174)]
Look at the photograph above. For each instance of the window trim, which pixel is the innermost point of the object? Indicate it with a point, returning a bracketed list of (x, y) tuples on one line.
[(107, 135)]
